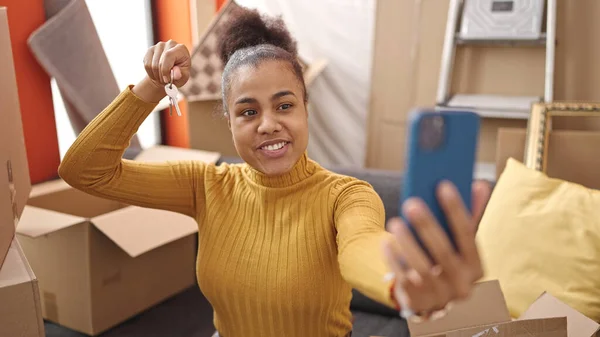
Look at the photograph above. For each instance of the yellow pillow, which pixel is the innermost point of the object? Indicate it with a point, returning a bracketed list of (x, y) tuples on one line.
[(542, 234)]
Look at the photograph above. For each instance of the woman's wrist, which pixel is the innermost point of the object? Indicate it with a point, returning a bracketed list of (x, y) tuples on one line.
[(393, 297), (148, 91)]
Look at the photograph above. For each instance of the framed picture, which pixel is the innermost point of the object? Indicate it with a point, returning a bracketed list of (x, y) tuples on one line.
[(540, 125)]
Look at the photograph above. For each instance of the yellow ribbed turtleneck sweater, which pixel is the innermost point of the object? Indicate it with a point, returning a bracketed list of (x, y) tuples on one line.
[(278, 256)]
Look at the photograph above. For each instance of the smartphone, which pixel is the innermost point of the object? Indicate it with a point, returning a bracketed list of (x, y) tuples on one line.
[(441, 145)]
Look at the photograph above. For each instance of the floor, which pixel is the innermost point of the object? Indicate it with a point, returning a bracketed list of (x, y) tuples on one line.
[(185, 315), (189, 315)]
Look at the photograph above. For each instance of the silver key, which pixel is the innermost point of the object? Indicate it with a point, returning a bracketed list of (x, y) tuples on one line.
[(172, 92)]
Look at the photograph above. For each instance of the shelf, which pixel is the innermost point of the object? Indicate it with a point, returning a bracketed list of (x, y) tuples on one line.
[(541, 41), (492, 106), (485, 171)]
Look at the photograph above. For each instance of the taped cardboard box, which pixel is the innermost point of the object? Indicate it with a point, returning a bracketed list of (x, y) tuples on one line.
[(485, 313), (14, 169), (100, 262), (572, 154)]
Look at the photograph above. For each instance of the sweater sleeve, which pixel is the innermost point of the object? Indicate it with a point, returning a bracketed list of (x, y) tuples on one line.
[(360, 225), (94, 163)]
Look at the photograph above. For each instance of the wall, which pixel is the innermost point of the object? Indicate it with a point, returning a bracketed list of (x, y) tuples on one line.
[(407, 54), (125, 35), (172, 20), (340, 32), (35, 95)]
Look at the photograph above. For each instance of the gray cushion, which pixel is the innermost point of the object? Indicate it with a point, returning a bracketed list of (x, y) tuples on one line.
[(369, 324)]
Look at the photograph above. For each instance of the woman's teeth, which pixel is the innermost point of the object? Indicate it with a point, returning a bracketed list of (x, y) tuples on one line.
[(274, 147)]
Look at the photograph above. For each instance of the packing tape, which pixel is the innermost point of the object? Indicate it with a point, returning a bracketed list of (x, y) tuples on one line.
[(13, 192)]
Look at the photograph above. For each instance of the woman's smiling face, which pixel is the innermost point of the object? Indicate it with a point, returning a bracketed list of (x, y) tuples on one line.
[(267, 116)]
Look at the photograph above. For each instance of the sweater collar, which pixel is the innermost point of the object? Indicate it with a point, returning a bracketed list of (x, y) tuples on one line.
[(303, 169)]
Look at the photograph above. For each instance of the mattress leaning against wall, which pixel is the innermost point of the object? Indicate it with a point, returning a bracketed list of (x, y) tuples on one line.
[(68, 47)]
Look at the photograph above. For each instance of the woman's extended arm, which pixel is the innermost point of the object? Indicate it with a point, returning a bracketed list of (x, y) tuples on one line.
[(420, 284), (360, 225), (94, 163)]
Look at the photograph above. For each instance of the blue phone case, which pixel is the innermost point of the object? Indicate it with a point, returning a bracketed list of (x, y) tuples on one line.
[(433, 157)]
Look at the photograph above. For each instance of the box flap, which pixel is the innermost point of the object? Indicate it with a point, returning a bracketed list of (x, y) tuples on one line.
[(549, 306), (138, 230), (13, 154), (161, 153), (549, 327), (36, 221), (16, 269), (48, 187), (485, 305)]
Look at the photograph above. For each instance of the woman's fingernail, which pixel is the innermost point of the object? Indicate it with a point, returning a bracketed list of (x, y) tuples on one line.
[(446, 189), (411, 205), (165, 79)]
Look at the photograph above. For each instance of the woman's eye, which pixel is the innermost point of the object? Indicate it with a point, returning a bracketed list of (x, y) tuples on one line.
[(285, 106), (249, 113)]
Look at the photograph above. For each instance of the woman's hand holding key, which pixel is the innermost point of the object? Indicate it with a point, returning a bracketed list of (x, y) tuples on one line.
[(158, 62)]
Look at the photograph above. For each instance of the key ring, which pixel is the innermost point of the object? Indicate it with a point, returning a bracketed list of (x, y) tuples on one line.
[(172, 75)]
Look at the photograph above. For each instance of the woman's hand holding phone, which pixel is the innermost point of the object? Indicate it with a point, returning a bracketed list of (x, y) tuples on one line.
[(424, 287)]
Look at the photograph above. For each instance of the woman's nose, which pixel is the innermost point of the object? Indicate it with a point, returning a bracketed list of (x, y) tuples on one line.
[(269, 124)]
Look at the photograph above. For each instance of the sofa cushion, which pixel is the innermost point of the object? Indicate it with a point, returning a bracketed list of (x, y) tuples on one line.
[(371, 324)]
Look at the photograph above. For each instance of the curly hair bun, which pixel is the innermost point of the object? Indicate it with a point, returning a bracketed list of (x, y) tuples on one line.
[(248, 28)]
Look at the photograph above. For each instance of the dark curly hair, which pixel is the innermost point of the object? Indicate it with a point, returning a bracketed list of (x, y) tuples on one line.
[(250, 38)]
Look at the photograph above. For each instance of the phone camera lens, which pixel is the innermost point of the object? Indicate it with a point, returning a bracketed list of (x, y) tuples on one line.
[(432, 132)]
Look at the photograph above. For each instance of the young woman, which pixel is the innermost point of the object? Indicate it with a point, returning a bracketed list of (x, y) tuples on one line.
[(282, 241)]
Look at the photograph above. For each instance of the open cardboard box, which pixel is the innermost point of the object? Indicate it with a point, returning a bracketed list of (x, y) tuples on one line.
[(20, 310), (485, 313), (100, 262)]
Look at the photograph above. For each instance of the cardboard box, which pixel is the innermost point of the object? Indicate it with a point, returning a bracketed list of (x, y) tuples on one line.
[(100, 262), (14, 170), (572, 154), (485, 313), (469, 313), (20, 311)]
